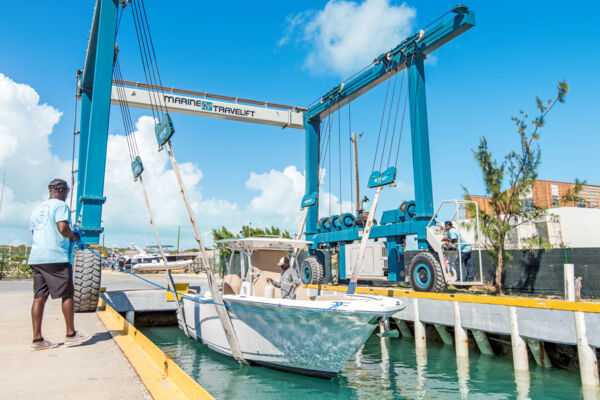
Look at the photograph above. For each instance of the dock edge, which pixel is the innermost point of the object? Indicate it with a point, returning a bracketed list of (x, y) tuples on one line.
[(163, 378)]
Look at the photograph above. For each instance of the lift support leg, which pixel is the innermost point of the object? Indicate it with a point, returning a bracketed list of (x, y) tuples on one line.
[(96, 86)]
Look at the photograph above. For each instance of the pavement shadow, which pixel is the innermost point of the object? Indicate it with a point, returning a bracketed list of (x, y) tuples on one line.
[(97, 337)]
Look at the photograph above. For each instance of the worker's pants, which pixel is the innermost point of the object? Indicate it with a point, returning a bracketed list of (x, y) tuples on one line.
[(467, 262)]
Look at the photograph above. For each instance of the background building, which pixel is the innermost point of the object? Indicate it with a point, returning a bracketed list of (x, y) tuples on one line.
[(550, 194), (567, 223)]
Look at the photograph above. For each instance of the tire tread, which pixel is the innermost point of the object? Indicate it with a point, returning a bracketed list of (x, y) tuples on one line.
[(86, 280), (439, 281)]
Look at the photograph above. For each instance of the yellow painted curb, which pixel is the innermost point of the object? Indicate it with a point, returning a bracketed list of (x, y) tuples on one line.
[(163, 378), (469, 298)]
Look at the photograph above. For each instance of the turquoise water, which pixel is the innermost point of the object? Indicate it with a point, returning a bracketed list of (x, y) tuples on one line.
[(383, 369)]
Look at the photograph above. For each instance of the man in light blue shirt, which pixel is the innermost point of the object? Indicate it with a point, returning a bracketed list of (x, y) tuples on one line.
[(452, 237), (50, 262)]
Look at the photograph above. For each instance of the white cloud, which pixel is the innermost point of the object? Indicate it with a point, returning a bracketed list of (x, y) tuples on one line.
[(25, 127), (345, 35), (125, 210), (25, 156)]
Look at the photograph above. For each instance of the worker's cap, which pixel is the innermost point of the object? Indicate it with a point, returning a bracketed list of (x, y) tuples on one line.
[(448, 223), (283, 260), (58, 184)]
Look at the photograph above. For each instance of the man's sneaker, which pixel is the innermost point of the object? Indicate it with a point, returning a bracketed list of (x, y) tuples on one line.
[(43, 345), (79, 338)]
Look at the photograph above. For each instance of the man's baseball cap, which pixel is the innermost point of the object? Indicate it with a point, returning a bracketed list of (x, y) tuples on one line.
[(58, 184), (283, 260), (448, 223)]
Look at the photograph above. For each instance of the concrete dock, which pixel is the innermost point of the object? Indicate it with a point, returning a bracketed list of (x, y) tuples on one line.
[(95, 370)]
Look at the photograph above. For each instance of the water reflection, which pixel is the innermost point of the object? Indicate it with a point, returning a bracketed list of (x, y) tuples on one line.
[(385, 368), (462, 370)]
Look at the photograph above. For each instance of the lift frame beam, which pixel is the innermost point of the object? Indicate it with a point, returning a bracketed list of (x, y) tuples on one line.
[(409, 54)]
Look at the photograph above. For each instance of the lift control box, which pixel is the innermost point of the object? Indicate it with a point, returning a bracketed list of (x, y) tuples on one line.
[(374, 265)]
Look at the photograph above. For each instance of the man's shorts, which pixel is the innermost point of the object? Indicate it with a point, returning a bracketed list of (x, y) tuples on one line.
[(54, 279)]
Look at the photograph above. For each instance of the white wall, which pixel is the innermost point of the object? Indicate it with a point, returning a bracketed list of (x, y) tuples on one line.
[(580, 226)]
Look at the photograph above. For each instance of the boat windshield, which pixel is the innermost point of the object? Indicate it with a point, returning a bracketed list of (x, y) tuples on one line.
[(250, 244)]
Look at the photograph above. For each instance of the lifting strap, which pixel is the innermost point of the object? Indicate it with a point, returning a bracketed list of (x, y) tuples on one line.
[(163, 132), (363, 243), (137, 169), (212, 284)]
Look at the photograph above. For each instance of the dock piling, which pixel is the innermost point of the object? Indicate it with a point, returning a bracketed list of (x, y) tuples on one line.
[(588, 363), (461, 339), (443, 332), (482, 342), (404, 329), (539, 353), (420, 337), (519, 349)]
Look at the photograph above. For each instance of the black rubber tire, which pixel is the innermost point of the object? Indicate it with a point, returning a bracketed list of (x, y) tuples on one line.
[(311, 271), (86, 279), (426, 274)]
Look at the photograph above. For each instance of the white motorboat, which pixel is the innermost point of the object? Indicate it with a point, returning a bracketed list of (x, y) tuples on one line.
[(153, 264), (313, 336), (144, 261)]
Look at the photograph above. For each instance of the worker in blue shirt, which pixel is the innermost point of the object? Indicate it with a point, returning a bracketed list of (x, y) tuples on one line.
[(451, 238), (50, 262)]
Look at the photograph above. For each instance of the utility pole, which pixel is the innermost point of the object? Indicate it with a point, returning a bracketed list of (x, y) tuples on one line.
[(355, 141), (178, 231)]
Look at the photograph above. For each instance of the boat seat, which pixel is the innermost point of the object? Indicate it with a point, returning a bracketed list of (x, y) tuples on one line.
[(231, 284)]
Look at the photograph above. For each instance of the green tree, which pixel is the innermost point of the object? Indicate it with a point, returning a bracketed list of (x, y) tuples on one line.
[(246, 231), (509, 181), (220, 234)]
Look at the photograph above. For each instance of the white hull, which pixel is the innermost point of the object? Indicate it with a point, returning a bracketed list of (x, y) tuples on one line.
[(317, 344), (160, 266)]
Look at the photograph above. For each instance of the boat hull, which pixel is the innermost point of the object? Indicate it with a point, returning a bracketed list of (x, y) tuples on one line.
[(156, 266), (316, 344)]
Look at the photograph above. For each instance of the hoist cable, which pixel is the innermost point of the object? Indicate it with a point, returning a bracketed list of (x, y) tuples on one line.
[(120, 12), (142, 56), (340, 154), (436, 20), (123, 107), (145, 55), (329, 171), (151, 60), (387, 128), (154, 54), (409, 67), (396, 116), (74, 138), (350, 158), (324, 148), (146, 63), (150, 54), (126, 114), (381, 124)]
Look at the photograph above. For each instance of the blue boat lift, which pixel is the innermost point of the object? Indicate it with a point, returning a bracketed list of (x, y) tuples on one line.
[(97, 92)]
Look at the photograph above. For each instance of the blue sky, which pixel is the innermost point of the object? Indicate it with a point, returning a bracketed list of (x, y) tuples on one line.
[(474, 85)]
